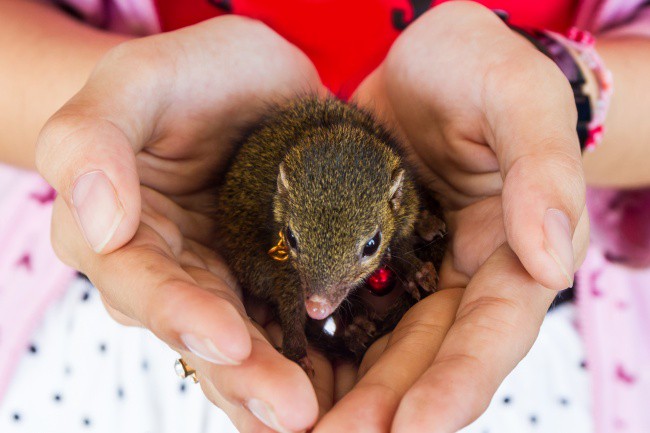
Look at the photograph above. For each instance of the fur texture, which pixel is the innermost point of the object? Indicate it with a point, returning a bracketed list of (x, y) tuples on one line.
[(326, 174)]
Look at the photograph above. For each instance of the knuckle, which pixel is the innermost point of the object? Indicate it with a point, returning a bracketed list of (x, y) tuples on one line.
[(51, 143)]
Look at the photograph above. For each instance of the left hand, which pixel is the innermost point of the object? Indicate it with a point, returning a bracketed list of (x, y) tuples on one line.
[(490, 125)]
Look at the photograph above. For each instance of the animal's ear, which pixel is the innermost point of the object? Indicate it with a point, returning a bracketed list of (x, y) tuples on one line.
[(397, 182), (283, 185)]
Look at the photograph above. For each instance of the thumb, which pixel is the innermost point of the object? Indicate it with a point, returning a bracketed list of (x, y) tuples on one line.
[(535, 140), (543, 200), (91, 164)]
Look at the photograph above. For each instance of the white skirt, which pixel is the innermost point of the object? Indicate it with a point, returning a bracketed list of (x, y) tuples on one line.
[(85, 373)]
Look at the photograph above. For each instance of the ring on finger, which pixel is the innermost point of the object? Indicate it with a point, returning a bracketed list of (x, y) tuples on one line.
[(183, 370)]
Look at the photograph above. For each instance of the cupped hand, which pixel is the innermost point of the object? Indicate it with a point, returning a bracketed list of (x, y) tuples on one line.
[(487, 115), (489, 123), (132, 157)]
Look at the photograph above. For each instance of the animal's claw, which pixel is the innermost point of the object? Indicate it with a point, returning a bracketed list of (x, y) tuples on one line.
[(428, 226), (427, 277), (307, 366)]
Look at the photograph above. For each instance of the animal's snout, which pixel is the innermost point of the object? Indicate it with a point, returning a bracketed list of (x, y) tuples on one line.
[(318, 307)]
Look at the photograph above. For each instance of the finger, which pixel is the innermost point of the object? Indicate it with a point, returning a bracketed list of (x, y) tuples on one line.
[(371, 404), (534, 138), (192, 225), (345, 374), (118, 316), (270, 386), (497, 322), (323, 379), (91, 164), (144, 281), (581, 238), (244, 420), (477, 231)]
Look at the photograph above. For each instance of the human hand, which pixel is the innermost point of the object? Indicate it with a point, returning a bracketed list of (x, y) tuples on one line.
[(490, 124), (487, 115), (133, 156)]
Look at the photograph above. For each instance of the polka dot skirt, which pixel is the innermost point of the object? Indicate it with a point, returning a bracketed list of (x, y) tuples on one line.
[(549, 390), (83, 372)]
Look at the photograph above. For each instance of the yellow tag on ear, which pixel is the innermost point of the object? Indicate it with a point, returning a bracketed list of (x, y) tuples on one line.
[(280, 252)]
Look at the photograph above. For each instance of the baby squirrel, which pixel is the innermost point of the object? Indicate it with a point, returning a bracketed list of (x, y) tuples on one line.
[(333, 184)]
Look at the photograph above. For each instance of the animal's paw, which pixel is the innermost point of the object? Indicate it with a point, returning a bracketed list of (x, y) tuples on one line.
[(359, 334), (428, 226), (307, 366), (427, 277), (413, 290)]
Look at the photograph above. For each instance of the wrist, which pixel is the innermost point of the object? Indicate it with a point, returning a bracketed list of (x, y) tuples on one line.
[(591, 82), (597, 79)]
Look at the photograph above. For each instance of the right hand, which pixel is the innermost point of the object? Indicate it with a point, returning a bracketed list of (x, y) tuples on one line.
[(132, 157)]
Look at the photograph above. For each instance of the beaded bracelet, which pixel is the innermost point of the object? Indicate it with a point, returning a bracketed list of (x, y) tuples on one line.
[(590, 125), (583, 43)]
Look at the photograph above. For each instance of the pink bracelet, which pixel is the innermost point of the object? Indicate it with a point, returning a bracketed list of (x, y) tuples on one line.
[(583, 43)]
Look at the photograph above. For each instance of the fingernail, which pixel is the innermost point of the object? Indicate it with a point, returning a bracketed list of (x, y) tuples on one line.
[(265, 413), (557, 231), (205, 348), (99, 212)]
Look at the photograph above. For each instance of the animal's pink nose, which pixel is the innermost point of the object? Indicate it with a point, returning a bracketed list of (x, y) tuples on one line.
[(318, 308)]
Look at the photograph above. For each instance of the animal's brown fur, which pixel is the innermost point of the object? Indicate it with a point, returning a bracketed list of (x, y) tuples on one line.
[(331, 173)]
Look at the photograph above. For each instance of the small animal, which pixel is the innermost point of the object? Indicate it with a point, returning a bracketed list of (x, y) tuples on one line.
[(318, 202)]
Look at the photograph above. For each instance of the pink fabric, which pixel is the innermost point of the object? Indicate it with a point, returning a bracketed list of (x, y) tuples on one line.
[(614, 309), (31, 276), (614, 313), (134, 17), (614, 281)]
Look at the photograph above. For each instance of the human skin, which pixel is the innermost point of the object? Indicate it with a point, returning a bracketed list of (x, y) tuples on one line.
[(165, 266), (153, 250)]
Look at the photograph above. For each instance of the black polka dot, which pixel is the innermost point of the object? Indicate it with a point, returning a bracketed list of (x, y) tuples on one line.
[(33, 349), (86, 422), (120, 393), (102, 347), (564, 401), (16, 417), (182, 387), (533, 419), (506, 400), (57, 398), (583, 364), (67, 370), (85, 296), (145, 365)]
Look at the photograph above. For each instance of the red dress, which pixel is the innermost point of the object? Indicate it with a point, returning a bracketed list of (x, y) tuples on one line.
[(347, 39)]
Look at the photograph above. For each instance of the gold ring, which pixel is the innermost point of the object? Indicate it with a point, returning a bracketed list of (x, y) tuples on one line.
[(183, 370)]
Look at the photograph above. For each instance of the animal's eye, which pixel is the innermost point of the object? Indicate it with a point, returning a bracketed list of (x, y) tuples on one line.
[(292, 239), (372, 245)]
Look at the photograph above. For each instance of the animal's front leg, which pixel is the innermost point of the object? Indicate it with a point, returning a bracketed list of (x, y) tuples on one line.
[(293, 316)]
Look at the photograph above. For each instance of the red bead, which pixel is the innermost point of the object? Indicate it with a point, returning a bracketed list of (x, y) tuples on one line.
[(381, 281)]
